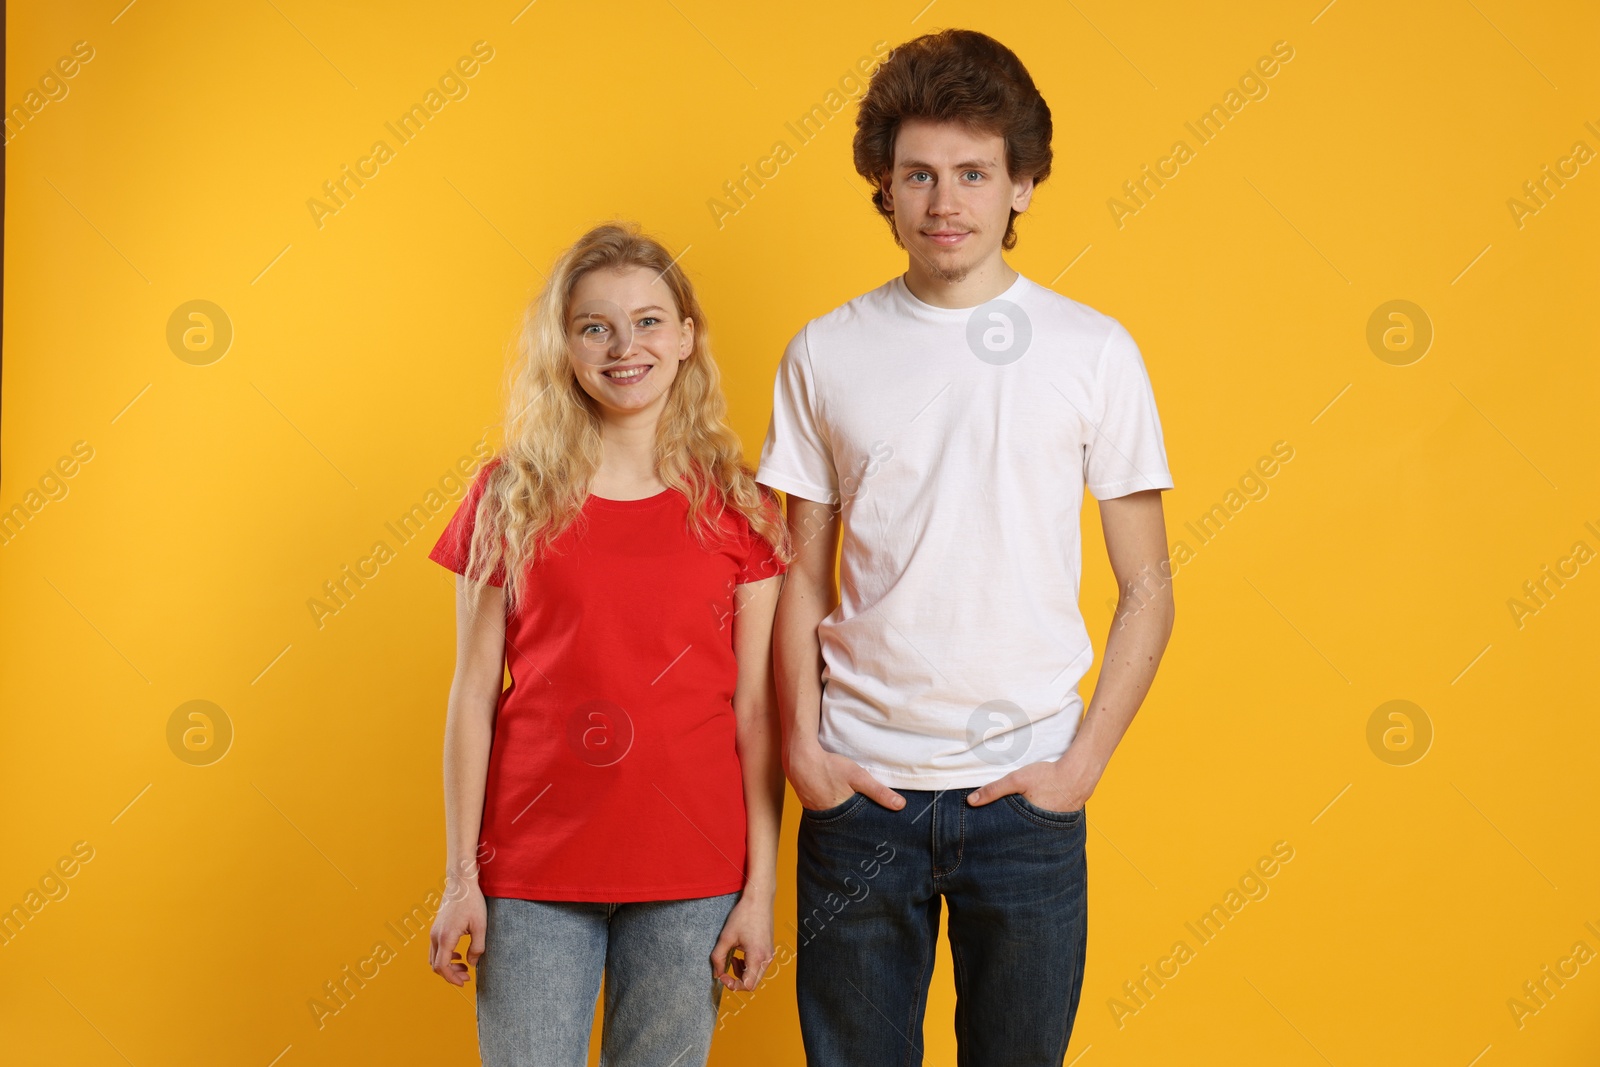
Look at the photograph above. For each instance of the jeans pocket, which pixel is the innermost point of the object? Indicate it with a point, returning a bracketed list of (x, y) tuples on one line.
[(1032, 811), (835, 813)]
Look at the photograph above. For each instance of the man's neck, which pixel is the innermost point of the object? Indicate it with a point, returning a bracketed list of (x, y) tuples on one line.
[(980, 285)]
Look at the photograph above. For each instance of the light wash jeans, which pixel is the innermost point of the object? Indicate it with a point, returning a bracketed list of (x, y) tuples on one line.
[(539, 977)]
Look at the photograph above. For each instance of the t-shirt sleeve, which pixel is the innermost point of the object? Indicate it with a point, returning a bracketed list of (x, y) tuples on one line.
[(455, 543), (1126, 452), (761, 561), (796, 458)]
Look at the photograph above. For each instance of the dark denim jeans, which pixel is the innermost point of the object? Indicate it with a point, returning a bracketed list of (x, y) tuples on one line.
[(870, 882)]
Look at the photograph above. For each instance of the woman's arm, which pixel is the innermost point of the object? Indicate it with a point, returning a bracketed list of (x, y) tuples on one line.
[(755, 706), (468, 732)]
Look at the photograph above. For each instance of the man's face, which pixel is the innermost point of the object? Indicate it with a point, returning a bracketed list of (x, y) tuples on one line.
[(951, 195)]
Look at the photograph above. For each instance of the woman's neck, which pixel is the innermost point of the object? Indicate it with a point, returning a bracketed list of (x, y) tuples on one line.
[(628, 466)]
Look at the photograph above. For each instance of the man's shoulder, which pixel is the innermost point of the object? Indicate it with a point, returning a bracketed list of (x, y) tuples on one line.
[(870, 305), (1063, 313)]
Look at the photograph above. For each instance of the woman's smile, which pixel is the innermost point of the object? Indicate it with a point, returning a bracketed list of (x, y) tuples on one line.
[(629, 375)]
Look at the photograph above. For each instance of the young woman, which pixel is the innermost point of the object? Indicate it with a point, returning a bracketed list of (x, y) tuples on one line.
[(615, 811)]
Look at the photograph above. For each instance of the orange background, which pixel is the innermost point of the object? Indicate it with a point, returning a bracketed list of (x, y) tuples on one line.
[(175, 564)]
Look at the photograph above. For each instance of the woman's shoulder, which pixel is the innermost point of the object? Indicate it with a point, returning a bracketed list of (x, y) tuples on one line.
[(767, 500)]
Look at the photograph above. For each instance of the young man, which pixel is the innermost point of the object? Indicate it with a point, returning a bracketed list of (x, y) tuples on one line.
[(948, 422)]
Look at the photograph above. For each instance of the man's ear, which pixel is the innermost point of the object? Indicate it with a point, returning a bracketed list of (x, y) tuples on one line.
[(888, 197), (1023, 195)]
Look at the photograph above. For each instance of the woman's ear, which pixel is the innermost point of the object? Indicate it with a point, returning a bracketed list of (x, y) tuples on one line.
[(686, 340)]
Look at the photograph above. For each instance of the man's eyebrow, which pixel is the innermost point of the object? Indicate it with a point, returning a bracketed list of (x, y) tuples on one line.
[(917, 164)]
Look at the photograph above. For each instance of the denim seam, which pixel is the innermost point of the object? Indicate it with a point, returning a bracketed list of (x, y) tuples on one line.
[(833, 820), (1054, 824), (961, 836), (919, 994), (963, 1043)]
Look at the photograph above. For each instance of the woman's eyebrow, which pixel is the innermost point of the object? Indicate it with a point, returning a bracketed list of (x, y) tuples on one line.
[(589, 316)]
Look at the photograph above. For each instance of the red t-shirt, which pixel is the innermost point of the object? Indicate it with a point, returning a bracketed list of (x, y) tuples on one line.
[(613, 774)]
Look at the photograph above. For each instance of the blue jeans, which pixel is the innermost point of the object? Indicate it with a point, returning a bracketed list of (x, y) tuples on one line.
[(539, 977), (869, 886)]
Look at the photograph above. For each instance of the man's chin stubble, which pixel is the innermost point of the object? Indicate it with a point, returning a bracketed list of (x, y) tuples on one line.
[(949, 274), (953, 274)]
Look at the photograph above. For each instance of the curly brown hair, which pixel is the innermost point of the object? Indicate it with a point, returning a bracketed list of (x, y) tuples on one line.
[(953, 76)]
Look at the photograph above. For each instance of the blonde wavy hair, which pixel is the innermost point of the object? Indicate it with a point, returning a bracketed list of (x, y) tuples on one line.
[(541, 478)]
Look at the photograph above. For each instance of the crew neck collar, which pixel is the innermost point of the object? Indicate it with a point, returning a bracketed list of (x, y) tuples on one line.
[(607, 504), (932, 311)]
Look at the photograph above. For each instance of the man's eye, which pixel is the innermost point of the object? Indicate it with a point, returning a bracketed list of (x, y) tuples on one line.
[(975, 175)]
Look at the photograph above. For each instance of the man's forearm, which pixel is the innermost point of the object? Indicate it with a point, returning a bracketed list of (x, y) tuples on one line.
[(797, 662), (1138, 638)]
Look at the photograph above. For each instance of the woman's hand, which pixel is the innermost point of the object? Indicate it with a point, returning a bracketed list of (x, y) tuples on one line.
[(748, 929), (464, 912)]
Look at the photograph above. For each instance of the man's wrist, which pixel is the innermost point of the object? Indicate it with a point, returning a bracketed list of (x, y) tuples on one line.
[(802, 748), (1082, 760)]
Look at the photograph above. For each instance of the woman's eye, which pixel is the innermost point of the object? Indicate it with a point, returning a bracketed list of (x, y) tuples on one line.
[(651, 319), (592, 326)]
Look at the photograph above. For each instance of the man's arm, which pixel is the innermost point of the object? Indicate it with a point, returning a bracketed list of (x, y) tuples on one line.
[(1136, 541), (821, 779)]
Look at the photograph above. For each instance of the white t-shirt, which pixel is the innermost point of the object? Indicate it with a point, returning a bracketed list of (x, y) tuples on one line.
[(958, 443)]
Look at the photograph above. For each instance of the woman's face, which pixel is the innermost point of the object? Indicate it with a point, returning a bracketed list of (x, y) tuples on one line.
[(625, 340)]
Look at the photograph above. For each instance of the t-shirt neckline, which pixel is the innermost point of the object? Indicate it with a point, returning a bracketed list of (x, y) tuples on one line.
[(606, 503), (922, 307)]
